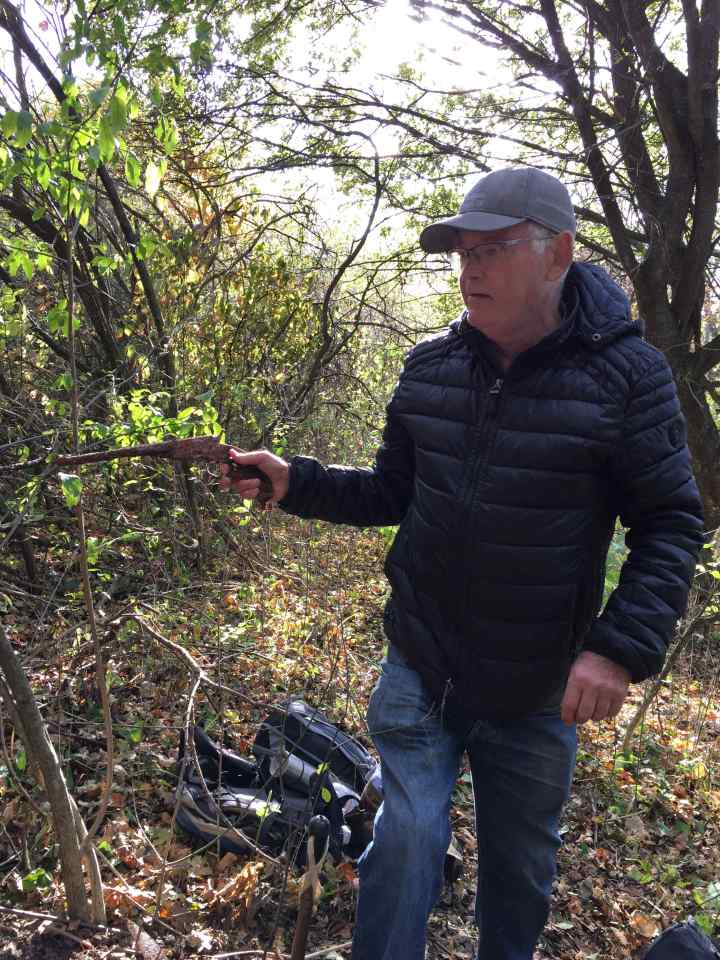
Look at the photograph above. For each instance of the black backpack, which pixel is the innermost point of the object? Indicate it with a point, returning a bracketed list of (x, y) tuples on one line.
[(271, 802), (683, 941), (296, 740)]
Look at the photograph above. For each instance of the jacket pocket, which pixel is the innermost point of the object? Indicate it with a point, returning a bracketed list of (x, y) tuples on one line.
[(516, 666), (511, 687)]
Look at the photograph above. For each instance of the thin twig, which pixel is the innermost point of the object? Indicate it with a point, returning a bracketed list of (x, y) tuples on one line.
[(34, 915), (201, 677), (282, 956), (11, 767)]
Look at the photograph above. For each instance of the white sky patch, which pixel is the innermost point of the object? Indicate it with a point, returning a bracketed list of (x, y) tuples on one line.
[(390, 39)]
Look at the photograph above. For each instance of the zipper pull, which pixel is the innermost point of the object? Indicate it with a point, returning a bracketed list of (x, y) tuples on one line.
[(494, 395)]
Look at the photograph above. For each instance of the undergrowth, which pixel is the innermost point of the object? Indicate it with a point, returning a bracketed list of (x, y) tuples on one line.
[(289, 606)]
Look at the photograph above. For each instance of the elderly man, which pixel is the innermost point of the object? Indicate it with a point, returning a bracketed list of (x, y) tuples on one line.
[(513, 441)]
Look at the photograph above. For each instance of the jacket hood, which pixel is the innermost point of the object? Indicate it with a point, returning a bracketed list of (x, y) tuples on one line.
[(603, 312)]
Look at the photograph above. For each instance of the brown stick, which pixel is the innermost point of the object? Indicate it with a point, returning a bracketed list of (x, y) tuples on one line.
[(38, 742), (203, 449)]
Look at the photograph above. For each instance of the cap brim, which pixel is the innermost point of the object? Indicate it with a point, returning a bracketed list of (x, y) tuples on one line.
[(441, 237)]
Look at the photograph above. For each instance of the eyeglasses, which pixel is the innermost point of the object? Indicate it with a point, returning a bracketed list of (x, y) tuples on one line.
[(485, 253)]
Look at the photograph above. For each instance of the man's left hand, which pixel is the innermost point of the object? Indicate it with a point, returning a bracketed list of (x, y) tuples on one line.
[(596, 689)]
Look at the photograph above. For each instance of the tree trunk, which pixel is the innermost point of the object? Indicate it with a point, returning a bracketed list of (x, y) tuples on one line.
[(704, 442), (663, 331), (39, 746)]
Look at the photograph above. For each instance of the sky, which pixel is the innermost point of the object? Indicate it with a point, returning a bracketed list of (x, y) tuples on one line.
[(390, 38)]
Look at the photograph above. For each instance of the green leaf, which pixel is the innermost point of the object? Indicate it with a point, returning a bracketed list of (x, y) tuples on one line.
[(8, 125), (152, 179), (133, 170), (93, 157), (57, 318), (106, 141), (43, 175), (23, 131), (187, 413), (326, 795), (706, 923), (200, 53), (94, 549), (38, 878), (167, 134), (71, 487), (21, 761), (118, 111), (98, 95), (20, 260)]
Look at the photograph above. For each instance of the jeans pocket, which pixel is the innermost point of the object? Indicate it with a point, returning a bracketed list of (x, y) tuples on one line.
[(399, 700)]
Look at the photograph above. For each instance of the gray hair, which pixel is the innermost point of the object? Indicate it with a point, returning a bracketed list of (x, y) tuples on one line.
[(539, 235)]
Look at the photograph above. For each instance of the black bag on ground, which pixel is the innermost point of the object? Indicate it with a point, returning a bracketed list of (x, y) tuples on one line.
[(683, 941), (234, 806), (302, 757), (297, 740)]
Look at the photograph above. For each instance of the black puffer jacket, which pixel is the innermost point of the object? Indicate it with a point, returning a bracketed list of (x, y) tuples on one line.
[(507, 488)]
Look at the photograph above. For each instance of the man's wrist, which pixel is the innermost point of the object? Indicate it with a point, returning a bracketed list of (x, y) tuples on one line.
[(284, 502)]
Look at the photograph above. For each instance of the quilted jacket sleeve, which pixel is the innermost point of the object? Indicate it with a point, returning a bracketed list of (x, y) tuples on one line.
[(360, 497), (658, 502)]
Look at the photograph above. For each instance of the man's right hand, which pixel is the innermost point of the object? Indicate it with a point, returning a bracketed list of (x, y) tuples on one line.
[(275, 469)]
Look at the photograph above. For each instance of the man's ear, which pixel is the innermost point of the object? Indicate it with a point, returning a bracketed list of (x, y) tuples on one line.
[(562, 255)]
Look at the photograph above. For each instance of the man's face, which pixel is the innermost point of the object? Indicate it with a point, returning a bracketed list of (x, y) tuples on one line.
[(505, 291)]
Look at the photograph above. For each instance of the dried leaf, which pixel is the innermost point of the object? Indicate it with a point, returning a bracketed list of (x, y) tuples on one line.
[(646, 927)]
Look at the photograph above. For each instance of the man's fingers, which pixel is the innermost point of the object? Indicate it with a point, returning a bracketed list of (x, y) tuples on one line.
[(252, 459), (578, 703), (602, 708), (615, 707), (247, 489), (586, 707), (570, 703), (596, 689)]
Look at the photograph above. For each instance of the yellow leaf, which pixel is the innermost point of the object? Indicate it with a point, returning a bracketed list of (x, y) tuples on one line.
[(152, 179), (699, 771), (646, 927)]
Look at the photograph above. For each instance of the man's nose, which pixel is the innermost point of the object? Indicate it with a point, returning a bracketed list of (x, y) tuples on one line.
[(475, 267)]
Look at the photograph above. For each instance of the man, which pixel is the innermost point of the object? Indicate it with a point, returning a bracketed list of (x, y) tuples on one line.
[(512, 443)]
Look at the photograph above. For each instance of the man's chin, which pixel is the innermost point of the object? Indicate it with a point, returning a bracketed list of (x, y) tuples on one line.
[(480, 314)]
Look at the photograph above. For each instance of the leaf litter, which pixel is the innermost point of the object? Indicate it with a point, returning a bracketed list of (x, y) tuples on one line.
[(640, 833)]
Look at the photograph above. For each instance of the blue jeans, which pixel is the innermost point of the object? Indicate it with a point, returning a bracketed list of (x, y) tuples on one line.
[(521, 770)]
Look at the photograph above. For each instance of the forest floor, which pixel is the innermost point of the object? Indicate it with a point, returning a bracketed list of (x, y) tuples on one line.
[(299, 610)]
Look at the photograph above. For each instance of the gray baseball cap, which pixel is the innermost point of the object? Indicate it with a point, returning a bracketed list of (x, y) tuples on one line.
[(502, 199)]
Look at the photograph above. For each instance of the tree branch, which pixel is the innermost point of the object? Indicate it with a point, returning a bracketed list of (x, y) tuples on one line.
[(593, 154)]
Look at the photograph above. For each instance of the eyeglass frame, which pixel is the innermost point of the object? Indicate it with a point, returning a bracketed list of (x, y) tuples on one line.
[(459, 263)]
